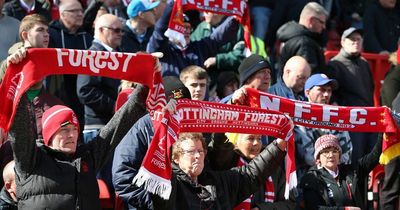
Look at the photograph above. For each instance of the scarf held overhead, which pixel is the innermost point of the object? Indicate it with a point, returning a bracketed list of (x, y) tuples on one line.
[(239, 8), (357, 119), (199, 116), (18, 78)]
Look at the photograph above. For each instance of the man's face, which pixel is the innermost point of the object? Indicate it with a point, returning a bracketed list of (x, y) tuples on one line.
[(353, 43), (188, 31), (260, 80), (388, 4), (65, 140), (249, 145), (297, 79), (113, 34), (159, 10), (319, 94), (318, 24), (212, 18), (197, 88), (191, 161), (72, 16), (38, 36), (230, 88), (149, 17)]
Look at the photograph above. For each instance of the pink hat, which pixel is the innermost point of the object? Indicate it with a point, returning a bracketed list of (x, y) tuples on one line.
[(326, 141), (54, 118)]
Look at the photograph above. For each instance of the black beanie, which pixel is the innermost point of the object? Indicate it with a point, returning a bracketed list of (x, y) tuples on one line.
[(175, 89), (251, 65)]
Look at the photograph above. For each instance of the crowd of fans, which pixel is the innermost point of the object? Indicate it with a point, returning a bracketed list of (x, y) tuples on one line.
[(70, 130)]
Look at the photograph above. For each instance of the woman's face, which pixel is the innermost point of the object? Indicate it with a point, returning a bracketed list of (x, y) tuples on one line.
[(329, 158)]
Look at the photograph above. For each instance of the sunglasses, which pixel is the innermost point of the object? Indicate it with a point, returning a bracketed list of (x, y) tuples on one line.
[(115, 30)]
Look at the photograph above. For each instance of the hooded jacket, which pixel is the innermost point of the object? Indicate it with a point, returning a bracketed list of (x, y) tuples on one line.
[(298, 40), (14, 9), (60, 37), (50, 179)]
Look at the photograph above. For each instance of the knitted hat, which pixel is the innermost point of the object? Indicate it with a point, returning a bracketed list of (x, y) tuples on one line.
[(251, 65), (136, 6), (326, 141), (55, 118), (174, 88)]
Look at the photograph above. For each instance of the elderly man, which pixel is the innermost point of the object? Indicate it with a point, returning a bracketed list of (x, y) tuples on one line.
[(196, 187), (254, 72), (318, 89), (8, 195), (139, 27), (67, 32), (347, 68), (291, 84), (98, 94), (60, 173), (304, 38)]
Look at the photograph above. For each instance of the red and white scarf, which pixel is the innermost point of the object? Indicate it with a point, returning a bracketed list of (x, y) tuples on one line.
[(269, 192), (358, 119), (239, 8)]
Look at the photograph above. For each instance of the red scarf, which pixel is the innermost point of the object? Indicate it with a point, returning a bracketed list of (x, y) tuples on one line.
[(269, 192), (358, 119), (192, 116), (200, 116), (239, 8), (45, 61)]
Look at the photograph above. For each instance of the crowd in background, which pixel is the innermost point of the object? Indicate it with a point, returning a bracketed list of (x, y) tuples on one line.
[(289, 39)]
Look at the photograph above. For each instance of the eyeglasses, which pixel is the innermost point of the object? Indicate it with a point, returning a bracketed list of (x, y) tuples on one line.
[(74, 10), (320, 21), (193, 152), (329, 152), (115, 30)]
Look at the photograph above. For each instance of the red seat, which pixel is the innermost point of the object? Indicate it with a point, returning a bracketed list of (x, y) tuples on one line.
[(375, 184), (379, 66), (106, 201)]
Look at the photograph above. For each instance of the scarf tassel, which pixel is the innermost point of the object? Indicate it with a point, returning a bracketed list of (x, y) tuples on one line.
[(153, 183)]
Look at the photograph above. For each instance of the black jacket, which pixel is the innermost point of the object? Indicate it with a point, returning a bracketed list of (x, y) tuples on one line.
[(220, 189), (381, 33), (298, 40), (131, 44), (49, 179), (348, 71), (322, 191), (6, 202), (223, 156), (98, 95), (14, 9)]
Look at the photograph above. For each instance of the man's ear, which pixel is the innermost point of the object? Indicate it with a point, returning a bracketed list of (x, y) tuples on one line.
[(24, 35), (307, 92), (7, 185)]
